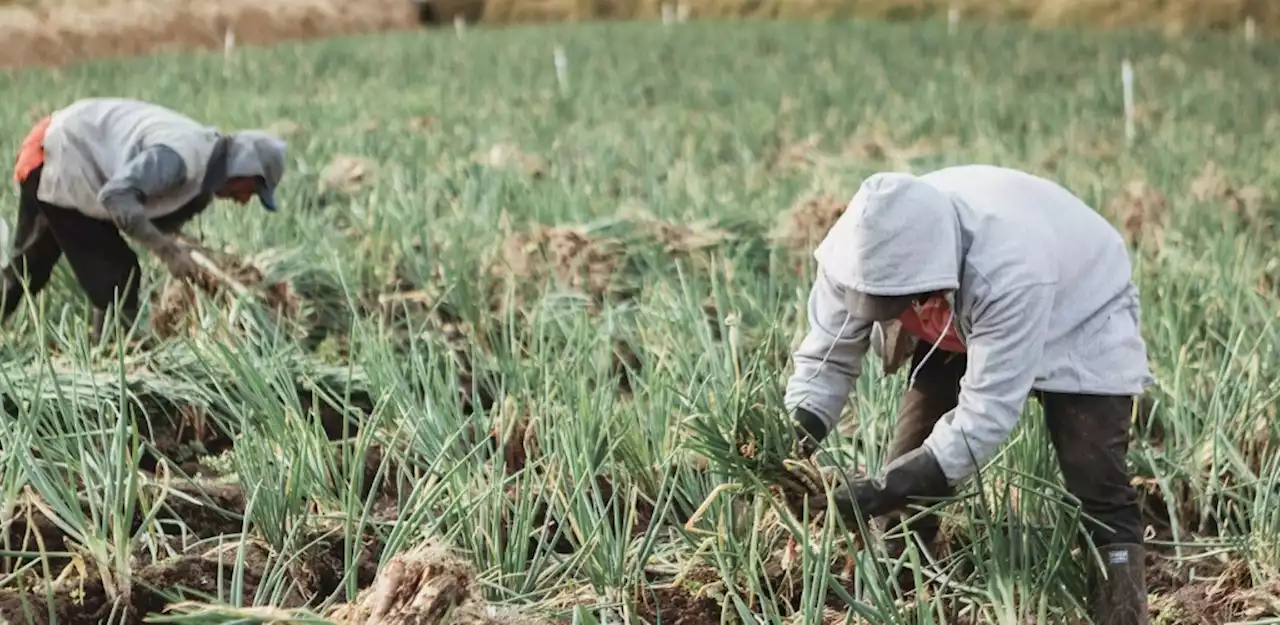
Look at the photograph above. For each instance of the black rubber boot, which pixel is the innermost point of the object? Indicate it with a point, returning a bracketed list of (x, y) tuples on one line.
[(1121, 598)]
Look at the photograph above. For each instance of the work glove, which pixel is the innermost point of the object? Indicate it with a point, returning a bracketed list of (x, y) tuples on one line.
[(810, 430), (177, 258), (857, 496)]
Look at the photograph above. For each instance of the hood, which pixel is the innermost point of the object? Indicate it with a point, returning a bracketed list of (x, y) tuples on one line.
[(254, 153), (899, 236)]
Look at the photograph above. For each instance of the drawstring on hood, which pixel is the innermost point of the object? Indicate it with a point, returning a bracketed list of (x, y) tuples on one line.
[(1048, 301), (899, 236), (951, 315)]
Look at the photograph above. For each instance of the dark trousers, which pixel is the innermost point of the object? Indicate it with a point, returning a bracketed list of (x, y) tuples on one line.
[(103, 263), (1090, 434)]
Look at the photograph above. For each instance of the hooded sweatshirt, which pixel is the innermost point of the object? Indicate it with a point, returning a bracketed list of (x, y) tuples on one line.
[(1041, 290), (119, 159)]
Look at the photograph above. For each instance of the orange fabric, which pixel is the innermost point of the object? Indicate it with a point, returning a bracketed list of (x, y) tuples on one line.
[(31, 154), (927, 321)]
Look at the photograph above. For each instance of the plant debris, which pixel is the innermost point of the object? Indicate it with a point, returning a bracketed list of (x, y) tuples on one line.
[(507, 156), (346, 174), (426, 585), (804, 225), (1142, 210)]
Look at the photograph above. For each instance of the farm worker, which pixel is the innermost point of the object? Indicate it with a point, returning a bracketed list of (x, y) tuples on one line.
[(100, 168), (1012, 287)]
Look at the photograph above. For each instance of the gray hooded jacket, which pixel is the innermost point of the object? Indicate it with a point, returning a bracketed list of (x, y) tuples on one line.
[(118, 159), (1042, 291)]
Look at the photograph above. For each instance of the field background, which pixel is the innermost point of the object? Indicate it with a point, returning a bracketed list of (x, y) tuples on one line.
[(427, 427), (52, 32)]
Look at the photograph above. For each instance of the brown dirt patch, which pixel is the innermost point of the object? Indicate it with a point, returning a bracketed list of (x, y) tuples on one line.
[(316, 572), (347, 174), (56, 33), (1244, 202), (1221, 591), (675, 605), (207, 510), (566, 256), (180, 433), (1143, 211), (174, 309), (805, 224)]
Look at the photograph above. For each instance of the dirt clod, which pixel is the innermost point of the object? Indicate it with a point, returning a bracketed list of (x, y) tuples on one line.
[(1247, 202), (424, 586), (346, 174), (676, 606), (1142, 210), (805, 224), (173, 312), (565, 255)]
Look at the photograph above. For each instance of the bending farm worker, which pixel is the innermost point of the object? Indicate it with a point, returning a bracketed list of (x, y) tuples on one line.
[(100, 168), (1011, 287)]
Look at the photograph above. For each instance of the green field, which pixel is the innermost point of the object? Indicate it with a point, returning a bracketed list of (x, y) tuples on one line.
[(282, 461)]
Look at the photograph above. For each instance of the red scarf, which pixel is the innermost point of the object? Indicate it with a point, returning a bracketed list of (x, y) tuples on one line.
[(927, 321)]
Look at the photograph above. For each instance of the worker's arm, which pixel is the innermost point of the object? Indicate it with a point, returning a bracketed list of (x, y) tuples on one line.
[(156, 171), (1003, 351), (827, 361)]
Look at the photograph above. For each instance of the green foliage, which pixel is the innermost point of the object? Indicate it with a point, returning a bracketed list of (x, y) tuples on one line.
[(690, 123)]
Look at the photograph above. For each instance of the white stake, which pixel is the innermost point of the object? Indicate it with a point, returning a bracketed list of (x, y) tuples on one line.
[(682, 12), (228, 50), (953, 20), (1250, 29), (459, 25), (562, 69), (1126, 76), (668, 14), (229, 43), (4, 240)]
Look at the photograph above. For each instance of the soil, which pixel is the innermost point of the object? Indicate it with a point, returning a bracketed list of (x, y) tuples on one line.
[(1143, 211), (1221, 591), (676, 606), (317, 573), (174, 306), (564, 255), (218, 512), (179, 434), (548, 529)]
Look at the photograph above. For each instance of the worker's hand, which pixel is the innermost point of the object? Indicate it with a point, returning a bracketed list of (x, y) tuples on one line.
[(804, 480), (854, 496), (859, 496), (177, 258)]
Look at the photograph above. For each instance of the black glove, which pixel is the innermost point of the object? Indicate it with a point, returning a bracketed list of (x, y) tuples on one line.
[(916, 474), (810, 430)]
